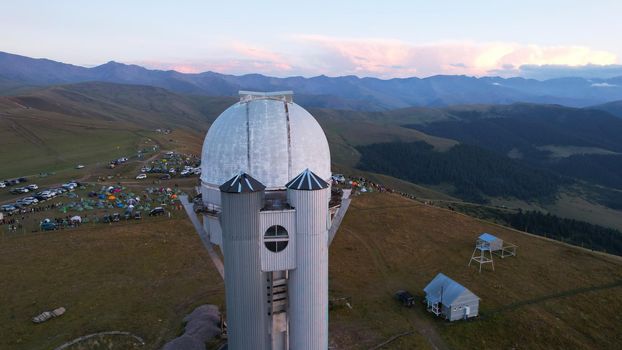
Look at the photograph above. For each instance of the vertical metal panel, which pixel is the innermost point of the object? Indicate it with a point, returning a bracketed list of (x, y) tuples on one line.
[(286, 259), (210, 195), (309, 144), (225, 146), (308, 298), (268, 141), (314, 206), (213, 228), (245, 285)]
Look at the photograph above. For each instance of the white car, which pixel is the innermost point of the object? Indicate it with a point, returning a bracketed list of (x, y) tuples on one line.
[(32, 187), (70, 186), (339, 178), (2, 184), (141, 177), (7, 208), (32, 200), (79, 166)]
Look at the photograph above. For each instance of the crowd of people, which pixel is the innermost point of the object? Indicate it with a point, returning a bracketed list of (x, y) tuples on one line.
[(13, 220), (362, 185)]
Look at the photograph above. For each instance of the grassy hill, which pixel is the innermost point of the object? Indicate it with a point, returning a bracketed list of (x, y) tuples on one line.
[(138, 277), (550, 296), (101, 119), (52, 129), (145, 277), (55, 128)]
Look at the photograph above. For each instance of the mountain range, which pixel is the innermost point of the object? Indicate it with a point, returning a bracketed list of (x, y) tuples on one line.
[(18, 73)]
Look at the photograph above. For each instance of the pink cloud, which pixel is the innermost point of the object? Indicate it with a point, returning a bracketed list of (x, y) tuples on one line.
[(237, 58), (386, 58), (392, 58)]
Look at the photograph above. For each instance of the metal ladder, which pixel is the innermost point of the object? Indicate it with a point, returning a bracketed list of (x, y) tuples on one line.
[(278, 295)]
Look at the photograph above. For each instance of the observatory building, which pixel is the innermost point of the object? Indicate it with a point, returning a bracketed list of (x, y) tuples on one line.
[(265, 184)]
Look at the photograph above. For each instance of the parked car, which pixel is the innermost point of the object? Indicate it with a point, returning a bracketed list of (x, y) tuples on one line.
[(22, 179), (165, 177), (20, 203), (32, 187), (70, 186), (2, 184), (116, 217), (20, 190), (128, 214), (156, 211), (339, 178), (79, 166), (48, 225), (28, 200), (7, 208), (106, 219), (405, 298), (141, 176), (137, 216)]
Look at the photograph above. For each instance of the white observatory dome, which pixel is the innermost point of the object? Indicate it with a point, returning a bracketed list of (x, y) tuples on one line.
[(267, 136)]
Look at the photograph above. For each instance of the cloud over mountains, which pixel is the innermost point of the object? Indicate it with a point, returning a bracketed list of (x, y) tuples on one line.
[(311, 55)]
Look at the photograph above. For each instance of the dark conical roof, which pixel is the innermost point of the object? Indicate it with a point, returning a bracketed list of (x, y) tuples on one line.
[(307, 181), (242, 183)]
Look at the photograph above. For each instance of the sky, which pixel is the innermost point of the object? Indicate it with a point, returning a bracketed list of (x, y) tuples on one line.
[(384, 39)]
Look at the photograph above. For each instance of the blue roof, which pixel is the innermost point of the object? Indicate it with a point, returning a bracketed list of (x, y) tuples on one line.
[(444, 289), (487, 237)]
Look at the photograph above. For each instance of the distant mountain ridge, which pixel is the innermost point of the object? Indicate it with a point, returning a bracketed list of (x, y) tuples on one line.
[(346, 92), (614, 107)]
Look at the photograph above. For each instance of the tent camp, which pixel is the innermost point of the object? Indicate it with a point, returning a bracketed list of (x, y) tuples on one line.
[(449, 299)]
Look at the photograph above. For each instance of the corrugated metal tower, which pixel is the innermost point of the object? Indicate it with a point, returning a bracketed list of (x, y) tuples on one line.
[(265, 184)]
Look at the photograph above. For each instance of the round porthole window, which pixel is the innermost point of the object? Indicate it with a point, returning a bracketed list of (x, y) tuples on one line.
[(276, 238)]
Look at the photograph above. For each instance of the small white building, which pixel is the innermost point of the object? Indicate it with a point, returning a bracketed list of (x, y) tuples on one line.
[(449, 299)]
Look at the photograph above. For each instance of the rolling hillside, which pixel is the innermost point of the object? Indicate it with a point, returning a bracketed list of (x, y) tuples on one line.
[(614, 108), (99, 117), (550, 296), (54, 128)]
